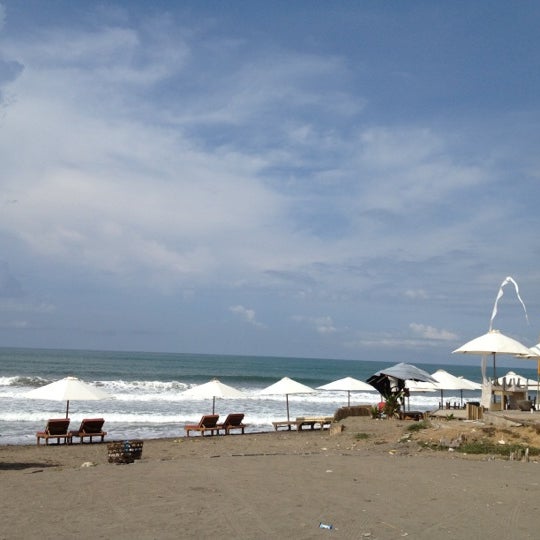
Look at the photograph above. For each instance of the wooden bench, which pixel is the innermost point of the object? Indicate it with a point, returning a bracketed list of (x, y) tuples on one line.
[(321, 421), (284, 424), (302, 422), (56, 428)]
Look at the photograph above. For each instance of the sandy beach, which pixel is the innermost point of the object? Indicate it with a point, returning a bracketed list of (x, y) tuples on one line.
[(376, 479)]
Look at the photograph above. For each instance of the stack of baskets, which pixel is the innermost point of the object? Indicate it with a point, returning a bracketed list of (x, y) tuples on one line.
[(124, 451)]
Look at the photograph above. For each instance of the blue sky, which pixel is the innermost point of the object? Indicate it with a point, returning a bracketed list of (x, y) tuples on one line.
[(330, 179)]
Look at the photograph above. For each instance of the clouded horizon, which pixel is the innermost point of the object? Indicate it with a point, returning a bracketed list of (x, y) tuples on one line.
[(346, 180)]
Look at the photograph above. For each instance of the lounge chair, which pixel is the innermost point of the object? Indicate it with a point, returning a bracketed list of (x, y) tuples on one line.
[(233, 421), (90, 427), (56, 428), (207, 423)]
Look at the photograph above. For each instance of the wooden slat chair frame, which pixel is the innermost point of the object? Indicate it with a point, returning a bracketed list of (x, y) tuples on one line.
[(56, 428), (207, 423), (90, 428)]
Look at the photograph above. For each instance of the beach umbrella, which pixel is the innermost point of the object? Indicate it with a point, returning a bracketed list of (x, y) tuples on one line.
[(286, 386), (535, 355), (494, 342), (213, 389), (394, 377), (347, 384), (514, 379), (420, 386), (67, 389), (447, 381)]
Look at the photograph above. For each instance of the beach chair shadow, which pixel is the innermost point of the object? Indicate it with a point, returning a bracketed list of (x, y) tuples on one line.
[(233, 421), (90, 428), (207, 423), (56, 428)]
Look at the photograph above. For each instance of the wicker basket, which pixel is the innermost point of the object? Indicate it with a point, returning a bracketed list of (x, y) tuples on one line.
[(124, 451)]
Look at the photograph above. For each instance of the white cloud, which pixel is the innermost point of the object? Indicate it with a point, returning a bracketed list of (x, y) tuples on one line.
[(429, 332), (246, 314), (144, 157), (416, 294), (323, 325)]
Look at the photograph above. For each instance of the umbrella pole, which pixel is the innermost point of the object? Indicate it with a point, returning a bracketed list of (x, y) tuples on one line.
[(494, 379), (214, 405), (67, 409), (537, 382), (348, 398), (287, 400)]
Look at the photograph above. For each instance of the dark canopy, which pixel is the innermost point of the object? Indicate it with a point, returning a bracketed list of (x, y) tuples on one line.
[(392, 379)]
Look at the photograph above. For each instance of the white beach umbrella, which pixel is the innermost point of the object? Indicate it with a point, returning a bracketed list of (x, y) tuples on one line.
[(447, 381), (286, 386), (67, 389), (535, 355), (494, 342), (512, 378), (535, 351), (348, 384), (213, 389), (420, 386)]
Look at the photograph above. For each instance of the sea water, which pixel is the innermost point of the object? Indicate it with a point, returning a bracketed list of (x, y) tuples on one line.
[(146, 389)]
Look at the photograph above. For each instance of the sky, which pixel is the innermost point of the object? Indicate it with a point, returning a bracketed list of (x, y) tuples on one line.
[(309, 179)]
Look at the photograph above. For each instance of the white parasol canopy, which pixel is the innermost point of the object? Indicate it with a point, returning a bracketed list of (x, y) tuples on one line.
[(67, 389), (494, 342), (348, 384), (213, 389), (287, 386), (512, 378), (535, 355), (420, 386), (447, 381)]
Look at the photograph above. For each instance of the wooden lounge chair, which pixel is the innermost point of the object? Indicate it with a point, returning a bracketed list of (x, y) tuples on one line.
[(207, 423), (233, 421), (56, 428), (90, 427)]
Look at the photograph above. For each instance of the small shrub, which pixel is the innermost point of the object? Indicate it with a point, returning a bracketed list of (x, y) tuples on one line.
[(392, 404), (417, 426), (483, 447), (361, 436)]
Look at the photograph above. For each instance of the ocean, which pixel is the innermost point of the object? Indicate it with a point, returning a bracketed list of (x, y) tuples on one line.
[(146, 389)]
